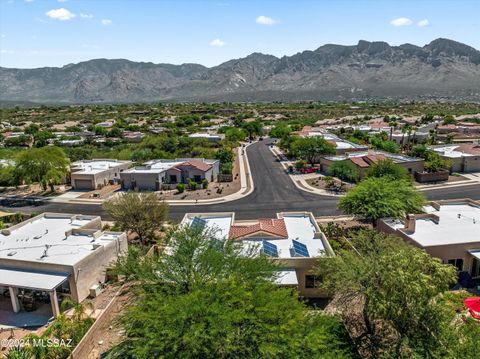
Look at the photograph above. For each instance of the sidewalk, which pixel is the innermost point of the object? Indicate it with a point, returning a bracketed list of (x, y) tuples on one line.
[(299, 180), (246, 187)]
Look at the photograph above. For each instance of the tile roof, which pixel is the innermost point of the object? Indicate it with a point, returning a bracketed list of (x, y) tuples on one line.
[(374, 158), (273, 226), (359, 161), (469, 148), (202, 166)]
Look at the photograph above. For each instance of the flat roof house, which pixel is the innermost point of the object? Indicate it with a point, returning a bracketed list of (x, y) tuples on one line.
[(448, 230), (93, 174), (293, 239), (155, 174), (56, 253), (464, 157), (211, 137), (363, 160)]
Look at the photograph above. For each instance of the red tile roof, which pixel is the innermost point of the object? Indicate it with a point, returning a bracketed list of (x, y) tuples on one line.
[(202, 166), (273, 226), (359, 161), (469, 148), (374, 158)]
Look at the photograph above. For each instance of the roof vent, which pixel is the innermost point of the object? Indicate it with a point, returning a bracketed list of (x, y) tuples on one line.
[(11, 254)]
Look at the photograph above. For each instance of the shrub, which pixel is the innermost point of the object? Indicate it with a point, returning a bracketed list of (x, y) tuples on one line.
[(205, 183), (192, 185), (180, 188), (345, 170)]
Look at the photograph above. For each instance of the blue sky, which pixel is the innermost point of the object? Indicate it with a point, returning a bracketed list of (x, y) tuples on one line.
[(36, 33)]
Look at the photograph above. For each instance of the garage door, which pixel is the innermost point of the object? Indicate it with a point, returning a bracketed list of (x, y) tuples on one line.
[(83, 184)]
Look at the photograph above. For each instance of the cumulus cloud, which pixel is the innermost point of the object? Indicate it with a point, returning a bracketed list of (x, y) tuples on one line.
[(401, 21), (265, 20), (60, 14), (423, 23), (86, 16), (217, 43), (106, 22)]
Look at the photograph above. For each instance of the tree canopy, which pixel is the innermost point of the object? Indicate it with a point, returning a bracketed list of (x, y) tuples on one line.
[(345, 170), (393, 287), (46, 165), (309, 148), (376, 198), (387, 168), (140, 213)]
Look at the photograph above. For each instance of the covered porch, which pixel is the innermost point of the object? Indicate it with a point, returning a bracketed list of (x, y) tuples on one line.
[(29, 299)]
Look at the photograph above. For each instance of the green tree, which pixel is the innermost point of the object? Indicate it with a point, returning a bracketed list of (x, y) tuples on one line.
[(208, 298), (46, 165), (309, 148), (140, 213), (281, 130), (394, 287), (387, 168), (376, 198), (235, 134), (345, 170), (434, 162)]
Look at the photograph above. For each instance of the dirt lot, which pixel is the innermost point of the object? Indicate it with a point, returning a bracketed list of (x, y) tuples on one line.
[(336, 185), (104, 192)]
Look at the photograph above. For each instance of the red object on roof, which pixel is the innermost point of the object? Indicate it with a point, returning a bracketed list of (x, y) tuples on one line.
[(374, 158), (273, 226), (202, 166), (473, 305)]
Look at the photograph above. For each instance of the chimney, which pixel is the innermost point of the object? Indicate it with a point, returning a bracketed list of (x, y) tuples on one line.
[(410, 222)]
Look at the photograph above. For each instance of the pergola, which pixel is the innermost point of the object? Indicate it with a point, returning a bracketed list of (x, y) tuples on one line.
[(46, 282)]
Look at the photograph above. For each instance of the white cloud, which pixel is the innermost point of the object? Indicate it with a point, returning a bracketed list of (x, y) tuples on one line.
[(106, 22), (28, 0), (265, 20), (423, 23), (7, 52), (3, 36), (217, 43), (60, 14), (401, 21), (62, 0), (86, 16)]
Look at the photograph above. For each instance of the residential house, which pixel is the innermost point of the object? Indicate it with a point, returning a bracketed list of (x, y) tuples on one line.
[(448, 230), (363, 160), (58, 254), (293, 240), (93, 174), (464, 157), (157, 174), (211, 137), (341, 146)]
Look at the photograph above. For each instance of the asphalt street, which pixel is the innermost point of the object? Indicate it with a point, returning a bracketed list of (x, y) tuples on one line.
[(274, 192)]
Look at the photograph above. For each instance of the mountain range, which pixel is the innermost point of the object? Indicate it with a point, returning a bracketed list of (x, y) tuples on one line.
[(443, 69)]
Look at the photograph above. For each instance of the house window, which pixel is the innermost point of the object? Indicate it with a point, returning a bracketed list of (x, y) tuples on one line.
[(173, 178), (197, 178), (456, 263), (312, 281)]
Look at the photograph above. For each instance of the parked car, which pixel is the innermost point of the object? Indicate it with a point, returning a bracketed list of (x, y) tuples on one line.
[(308, 170)]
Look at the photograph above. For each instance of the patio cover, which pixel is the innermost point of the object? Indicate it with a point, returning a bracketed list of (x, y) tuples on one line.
[(31, 280), (286, 277), (475, 253)]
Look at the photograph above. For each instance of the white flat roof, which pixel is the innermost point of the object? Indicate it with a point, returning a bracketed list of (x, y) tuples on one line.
[(30, 280), (96, 166), (459, 223), (29, 242), (451, 152)]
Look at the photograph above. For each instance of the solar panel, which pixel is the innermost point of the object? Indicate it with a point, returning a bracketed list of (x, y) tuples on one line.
[(300, 249), (270, 249), (198, 223)]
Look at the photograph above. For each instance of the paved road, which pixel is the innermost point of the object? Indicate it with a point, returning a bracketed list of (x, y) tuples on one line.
[(274, 192)]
